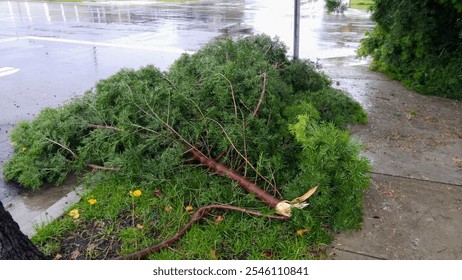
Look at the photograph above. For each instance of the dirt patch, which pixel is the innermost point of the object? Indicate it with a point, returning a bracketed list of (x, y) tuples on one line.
[(95, 240)]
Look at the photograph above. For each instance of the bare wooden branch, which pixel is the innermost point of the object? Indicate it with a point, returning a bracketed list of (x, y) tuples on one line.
[(94, 166), (221, 169), (99, 126), (199, 214), (240, 154), (255, 112), (64, 147), (232, 94)]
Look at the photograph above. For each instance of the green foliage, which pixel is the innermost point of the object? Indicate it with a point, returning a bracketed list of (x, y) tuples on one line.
[(336, 107), (419, 43), (336, 6), (330, 159), (36, 158), (229, 99)]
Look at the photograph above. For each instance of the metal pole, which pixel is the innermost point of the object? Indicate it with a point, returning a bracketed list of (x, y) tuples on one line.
[(296, 28)]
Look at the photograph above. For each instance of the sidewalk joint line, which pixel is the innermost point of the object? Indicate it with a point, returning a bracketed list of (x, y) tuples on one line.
[(417, 179), (358, 253)]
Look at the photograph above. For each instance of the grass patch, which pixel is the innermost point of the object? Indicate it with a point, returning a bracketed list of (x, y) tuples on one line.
[(361, 4), (244, 103), (119, 224)]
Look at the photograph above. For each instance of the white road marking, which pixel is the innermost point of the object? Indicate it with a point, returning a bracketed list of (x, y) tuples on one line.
[(10, 39), (101, 44), (5, 71)]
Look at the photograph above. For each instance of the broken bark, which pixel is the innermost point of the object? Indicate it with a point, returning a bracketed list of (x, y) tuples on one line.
[(221, 169)]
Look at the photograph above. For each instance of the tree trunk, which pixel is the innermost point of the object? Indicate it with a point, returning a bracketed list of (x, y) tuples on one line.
[(15, 245)]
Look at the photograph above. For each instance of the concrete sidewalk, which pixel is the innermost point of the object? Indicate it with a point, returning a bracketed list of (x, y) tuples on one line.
[(413, 209)]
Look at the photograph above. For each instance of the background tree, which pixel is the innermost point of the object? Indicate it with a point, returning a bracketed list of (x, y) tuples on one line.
[(418, 43)]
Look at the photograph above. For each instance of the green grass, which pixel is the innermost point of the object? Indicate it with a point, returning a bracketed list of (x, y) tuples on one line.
[(361, 4), (120, 224)]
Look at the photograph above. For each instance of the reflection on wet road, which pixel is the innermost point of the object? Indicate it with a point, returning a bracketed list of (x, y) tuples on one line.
[(54, 51)]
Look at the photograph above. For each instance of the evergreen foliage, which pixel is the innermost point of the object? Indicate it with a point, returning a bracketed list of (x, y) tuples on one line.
[(230, 99), (337, 6), (419, 43)]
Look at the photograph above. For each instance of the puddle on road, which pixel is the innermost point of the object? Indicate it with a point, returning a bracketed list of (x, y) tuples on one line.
[(26, 204), (67, 47)]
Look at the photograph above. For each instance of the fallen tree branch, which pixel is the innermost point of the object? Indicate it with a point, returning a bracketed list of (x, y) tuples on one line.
[(240, 154), (199, 214), (64, 147), (281, 207), (221, 169), (74, 155)]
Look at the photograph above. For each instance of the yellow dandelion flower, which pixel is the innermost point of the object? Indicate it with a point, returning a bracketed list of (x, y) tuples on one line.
[(74, 213), (168, 208), (92, 201), (301, 232), (218, 219), (189, 208), (136, 193), (24, 149)]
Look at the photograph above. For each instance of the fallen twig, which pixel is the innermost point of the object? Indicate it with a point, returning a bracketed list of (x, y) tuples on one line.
[(64, 147), (199, 214), (74, 155), (94, 166), (240, 154), (99, 126), (232, 94), (255, 112), (113, 128)]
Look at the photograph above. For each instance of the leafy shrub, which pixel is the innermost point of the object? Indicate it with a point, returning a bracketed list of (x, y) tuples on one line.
[(329, 158), (419, 43)]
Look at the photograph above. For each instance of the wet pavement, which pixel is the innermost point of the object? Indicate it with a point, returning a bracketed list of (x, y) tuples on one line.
[(414, 205), (414, 142)]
